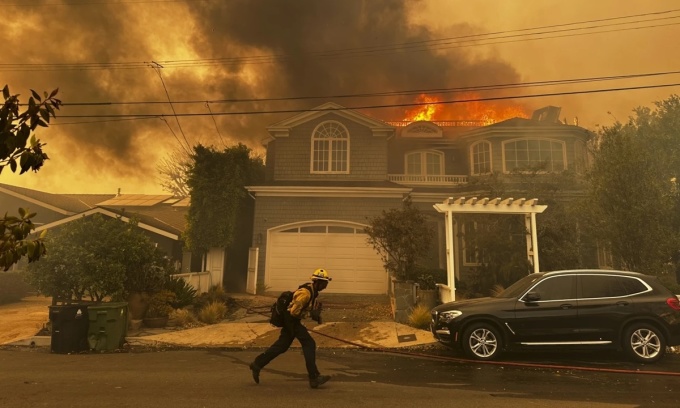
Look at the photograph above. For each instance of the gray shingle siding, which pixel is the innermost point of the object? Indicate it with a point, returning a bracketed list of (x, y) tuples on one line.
[(368, 153)]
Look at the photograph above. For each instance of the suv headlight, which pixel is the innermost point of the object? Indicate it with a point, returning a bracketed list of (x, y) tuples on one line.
[(446, 317)]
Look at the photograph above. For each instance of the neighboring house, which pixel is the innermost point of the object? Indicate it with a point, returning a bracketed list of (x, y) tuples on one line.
[(330, 170), (161, 217)]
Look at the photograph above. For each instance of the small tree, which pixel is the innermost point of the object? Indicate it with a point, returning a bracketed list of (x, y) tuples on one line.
[(98, 257), (401, 237), (19, 148)]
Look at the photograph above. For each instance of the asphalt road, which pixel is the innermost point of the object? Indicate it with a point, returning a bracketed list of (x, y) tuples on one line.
[(220, 378)]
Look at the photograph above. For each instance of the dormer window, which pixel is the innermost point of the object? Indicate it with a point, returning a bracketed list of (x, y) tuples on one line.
[(425, 163), (330, 148)]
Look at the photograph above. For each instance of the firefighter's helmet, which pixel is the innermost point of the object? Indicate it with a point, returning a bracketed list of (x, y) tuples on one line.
[(321, 274)]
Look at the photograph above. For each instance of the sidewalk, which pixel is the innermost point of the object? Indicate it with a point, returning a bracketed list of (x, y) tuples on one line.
[(247, 331)]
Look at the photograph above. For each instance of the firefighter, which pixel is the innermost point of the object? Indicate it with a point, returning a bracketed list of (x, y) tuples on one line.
[(304, 302)]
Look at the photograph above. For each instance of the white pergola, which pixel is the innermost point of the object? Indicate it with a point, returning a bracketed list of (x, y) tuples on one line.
[(474, 205)]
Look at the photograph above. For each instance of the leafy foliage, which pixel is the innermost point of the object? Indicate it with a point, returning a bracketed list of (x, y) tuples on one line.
[(16, 128), (160, 304), (401, 237), (634, 201), (19, 149), (184, 292), (218, 197), (14, 245), (99, 257)]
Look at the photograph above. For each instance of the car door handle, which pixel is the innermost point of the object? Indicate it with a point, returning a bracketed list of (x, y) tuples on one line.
[(566, 306), (622, 303)]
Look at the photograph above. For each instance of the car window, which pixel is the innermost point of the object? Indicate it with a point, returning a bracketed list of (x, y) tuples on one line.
[(556, 288), (517, 288), (603, 286)]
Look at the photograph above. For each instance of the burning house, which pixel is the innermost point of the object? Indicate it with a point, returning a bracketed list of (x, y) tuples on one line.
[(331, 169)]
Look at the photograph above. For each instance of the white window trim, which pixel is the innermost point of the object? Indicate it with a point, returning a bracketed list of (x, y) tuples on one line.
[(563, 143), (313, 139), (472, 157), (423, 163)]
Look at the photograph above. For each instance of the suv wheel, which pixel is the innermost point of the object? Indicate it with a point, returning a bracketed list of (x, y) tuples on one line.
[(482, 341), (644, 343)]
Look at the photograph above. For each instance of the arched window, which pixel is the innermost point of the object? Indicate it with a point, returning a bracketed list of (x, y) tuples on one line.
[(330, 148), (481, 157), (534, 154), (425, 163)]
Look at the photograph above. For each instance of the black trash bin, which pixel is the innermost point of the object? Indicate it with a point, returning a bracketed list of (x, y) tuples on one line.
[(70, 324)]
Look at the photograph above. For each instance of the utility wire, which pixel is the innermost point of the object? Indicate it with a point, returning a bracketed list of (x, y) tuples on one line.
[(157, 67), (396, 105), (418, 46), (431, 91)]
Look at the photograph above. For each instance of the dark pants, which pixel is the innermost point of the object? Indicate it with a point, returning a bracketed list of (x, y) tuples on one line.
[(294, 330)]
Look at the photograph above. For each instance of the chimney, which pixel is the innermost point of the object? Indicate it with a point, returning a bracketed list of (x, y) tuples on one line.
[(118, 195)]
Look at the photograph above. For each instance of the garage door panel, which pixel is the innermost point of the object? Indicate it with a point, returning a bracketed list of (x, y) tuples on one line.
[(354, 266)]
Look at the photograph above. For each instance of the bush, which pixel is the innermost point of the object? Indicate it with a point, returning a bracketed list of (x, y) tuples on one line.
[(215, 294), (182, 317), (212, 313), (13, 287), (419, 317), (185, 294), (160, 304)]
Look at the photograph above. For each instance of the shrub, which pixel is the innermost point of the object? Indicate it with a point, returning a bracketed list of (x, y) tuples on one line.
[(419, 317), (182, 317), (160, 304), (215, 294), (13, 287), (184, 292), (212, 313)]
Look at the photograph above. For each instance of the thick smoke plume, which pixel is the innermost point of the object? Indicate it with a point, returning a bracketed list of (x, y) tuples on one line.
[(221, 38)]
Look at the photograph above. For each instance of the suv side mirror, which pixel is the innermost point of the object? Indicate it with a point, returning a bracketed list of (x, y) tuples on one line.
[(532, 297)]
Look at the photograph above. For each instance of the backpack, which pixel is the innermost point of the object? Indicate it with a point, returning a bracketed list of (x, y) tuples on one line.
[(280, 308)]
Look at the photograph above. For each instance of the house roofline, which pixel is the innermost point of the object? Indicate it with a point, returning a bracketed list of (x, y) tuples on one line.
[(316, 191), (108, 213), (34, 201)]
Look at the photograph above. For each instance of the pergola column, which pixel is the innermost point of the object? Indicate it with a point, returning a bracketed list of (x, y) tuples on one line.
[(461, 205)]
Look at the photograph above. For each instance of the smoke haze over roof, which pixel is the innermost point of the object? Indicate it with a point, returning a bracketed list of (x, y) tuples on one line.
[(193, 39)]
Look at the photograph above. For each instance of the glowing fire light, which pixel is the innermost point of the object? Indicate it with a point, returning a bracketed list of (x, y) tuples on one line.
[(488, 112)]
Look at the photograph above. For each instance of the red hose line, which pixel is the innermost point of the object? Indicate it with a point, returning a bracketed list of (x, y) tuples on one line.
[(499, 363)]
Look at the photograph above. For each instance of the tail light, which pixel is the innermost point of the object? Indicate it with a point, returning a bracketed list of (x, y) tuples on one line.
[(673, 302)]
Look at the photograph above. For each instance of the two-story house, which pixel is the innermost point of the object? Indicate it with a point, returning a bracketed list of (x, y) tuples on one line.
[(330, 170)]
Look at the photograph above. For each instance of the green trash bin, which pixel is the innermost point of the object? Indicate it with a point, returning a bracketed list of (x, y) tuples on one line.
[(108, 325)]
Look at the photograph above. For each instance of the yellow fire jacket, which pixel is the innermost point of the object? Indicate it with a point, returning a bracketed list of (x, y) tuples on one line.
[(303, 301)]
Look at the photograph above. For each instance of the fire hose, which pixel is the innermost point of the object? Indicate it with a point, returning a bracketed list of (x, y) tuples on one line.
[(412, 353)]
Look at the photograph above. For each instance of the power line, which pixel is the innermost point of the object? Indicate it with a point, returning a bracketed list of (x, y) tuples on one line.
[(418, 46), (492, 87), (365, 107), (97, 3)]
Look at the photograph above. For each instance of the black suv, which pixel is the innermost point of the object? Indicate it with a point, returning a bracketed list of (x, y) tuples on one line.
[(623, 310)]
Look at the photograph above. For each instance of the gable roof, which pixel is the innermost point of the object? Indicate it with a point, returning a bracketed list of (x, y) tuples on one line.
[(143, 223), (161, 214), (282, 129), (60, 203)]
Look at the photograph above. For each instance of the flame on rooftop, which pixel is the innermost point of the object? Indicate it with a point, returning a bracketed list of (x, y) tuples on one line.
[(489, 112)]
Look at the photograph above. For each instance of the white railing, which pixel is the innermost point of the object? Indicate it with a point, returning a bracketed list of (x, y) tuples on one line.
[(445, 123), (201, 281), (427, 180)]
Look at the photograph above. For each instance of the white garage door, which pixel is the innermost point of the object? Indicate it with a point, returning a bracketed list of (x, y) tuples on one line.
[(294, 253)]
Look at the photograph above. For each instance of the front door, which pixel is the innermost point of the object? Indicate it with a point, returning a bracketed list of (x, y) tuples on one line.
[(550, 319)]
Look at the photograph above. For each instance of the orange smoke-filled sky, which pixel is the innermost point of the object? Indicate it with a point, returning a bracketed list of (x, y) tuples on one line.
[(232, 52)]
